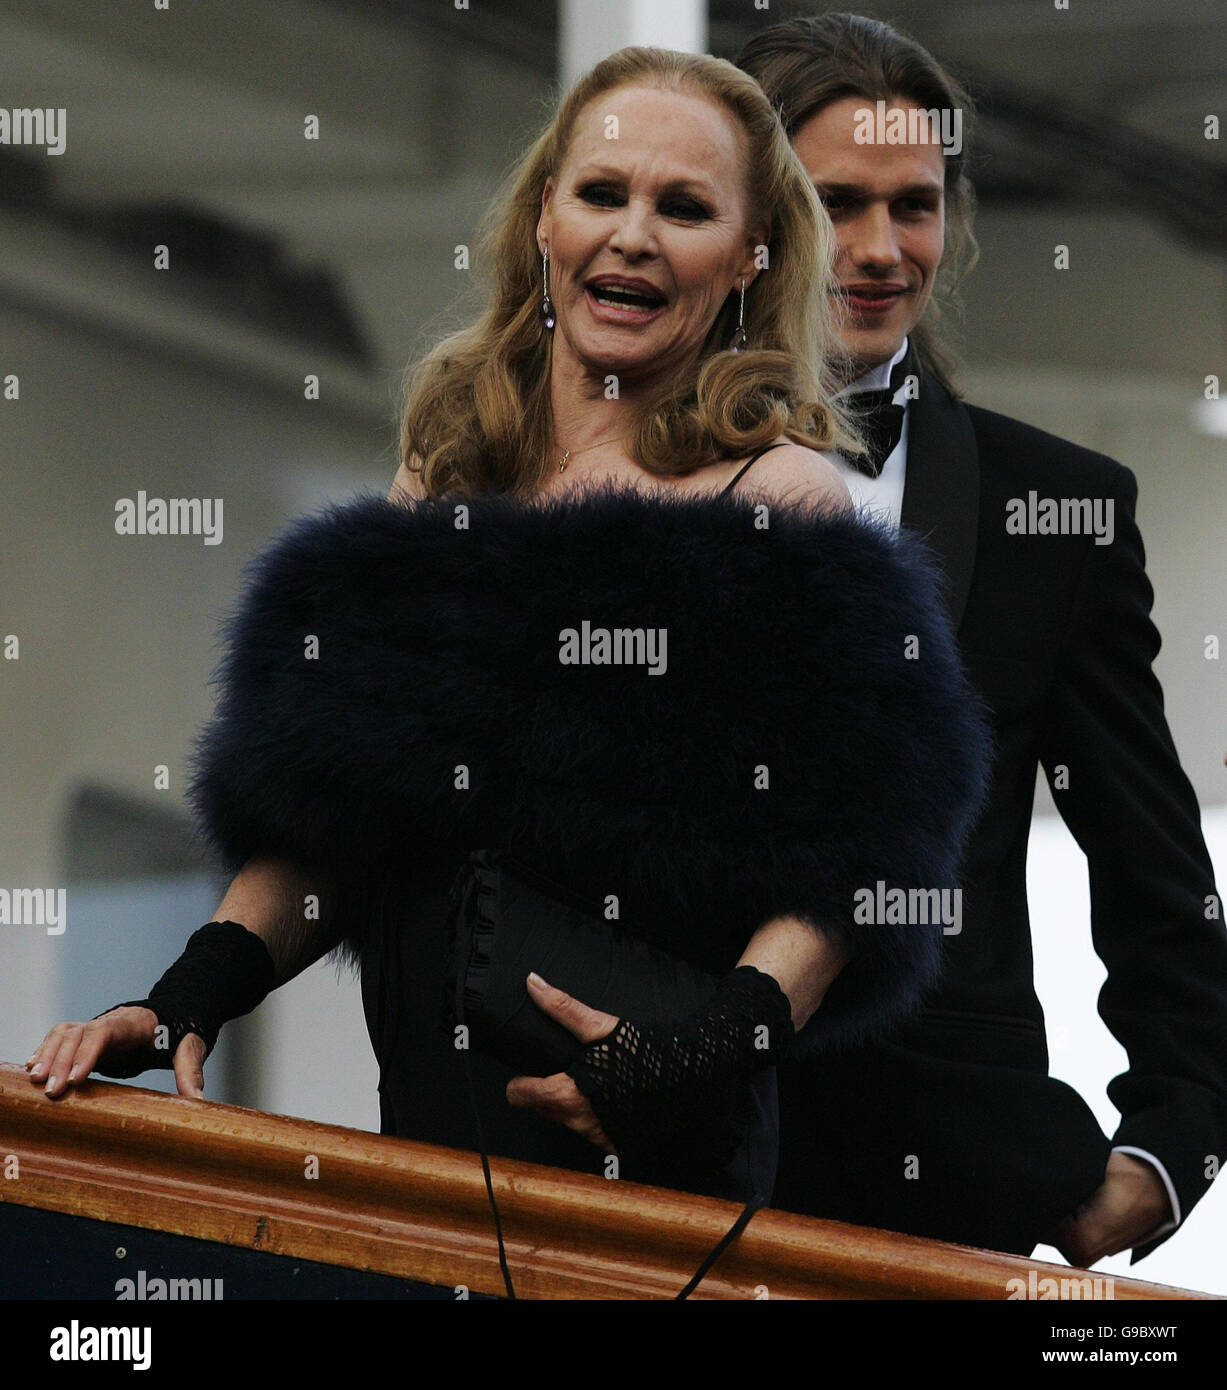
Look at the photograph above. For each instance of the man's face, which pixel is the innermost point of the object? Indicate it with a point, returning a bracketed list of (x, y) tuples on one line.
[(888, 206)]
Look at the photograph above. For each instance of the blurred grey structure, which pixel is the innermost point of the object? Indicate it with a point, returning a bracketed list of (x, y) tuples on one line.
[(334, 258)]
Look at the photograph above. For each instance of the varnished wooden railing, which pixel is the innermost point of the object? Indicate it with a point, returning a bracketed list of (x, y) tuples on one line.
[(241, 1177)]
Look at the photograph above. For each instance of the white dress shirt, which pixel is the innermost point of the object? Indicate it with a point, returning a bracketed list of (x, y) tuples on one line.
[(882, 497)]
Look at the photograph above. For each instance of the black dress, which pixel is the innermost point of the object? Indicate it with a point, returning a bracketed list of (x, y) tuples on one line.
[(399, 688), (423, 1093)]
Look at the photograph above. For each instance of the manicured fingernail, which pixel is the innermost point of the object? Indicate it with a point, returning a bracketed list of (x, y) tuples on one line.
[(38, 1069), (50, 1086), (72, 1075), (534, 978)]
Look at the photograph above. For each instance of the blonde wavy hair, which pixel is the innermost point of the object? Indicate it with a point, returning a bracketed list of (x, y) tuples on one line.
[(477, 413)]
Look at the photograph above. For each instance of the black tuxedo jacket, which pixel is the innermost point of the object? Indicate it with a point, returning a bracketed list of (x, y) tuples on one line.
[(953, 1128)]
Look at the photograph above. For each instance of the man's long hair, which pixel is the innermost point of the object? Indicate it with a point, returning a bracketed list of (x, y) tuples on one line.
[(804, 65), (477, 406)]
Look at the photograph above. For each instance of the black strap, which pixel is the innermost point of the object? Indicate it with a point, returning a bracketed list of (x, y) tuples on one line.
[(471, 1084), (485, 1168), (741, 472), (721, 1246)]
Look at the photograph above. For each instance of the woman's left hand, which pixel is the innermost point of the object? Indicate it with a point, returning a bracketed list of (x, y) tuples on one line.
[(557, 1097)]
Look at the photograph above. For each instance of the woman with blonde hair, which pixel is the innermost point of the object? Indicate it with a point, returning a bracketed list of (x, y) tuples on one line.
[(614, 668), (498, 404)]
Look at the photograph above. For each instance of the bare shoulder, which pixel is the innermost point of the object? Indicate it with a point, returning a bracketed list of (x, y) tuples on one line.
[(406, 486), (797, 473)]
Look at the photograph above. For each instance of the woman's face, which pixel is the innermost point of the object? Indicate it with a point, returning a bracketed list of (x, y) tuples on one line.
[(651, 196)]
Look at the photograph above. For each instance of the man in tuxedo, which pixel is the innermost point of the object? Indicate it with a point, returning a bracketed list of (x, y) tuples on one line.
[(953, 1128)]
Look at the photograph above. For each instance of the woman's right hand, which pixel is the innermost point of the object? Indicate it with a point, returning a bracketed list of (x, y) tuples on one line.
[(70, 1051)]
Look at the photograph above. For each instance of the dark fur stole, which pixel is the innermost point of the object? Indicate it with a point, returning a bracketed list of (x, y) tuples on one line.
[(392, 695)]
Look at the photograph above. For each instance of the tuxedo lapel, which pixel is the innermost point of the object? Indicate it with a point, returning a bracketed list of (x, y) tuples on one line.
[(941, 495)]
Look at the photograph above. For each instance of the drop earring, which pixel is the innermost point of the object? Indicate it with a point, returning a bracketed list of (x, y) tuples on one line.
[(739, 338), (547, 307)]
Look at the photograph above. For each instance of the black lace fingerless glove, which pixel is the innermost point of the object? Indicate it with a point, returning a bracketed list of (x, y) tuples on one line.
[(672, 1098), (224, 972)]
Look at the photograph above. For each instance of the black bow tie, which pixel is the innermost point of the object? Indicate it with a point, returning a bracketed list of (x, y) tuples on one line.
[(879, 422), (880, 425)]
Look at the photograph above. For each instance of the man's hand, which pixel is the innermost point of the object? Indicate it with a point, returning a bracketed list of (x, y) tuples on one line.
[(1129, 1203), (557, 1097)]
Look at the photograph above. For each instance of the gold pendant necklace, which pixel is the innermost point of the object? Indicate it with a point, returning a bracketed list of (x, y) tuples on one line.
[(566, 453)]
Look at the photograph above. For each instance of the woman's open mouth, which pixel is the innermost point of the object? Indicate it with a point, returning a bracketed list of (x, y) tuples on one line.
[(619, 304)]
